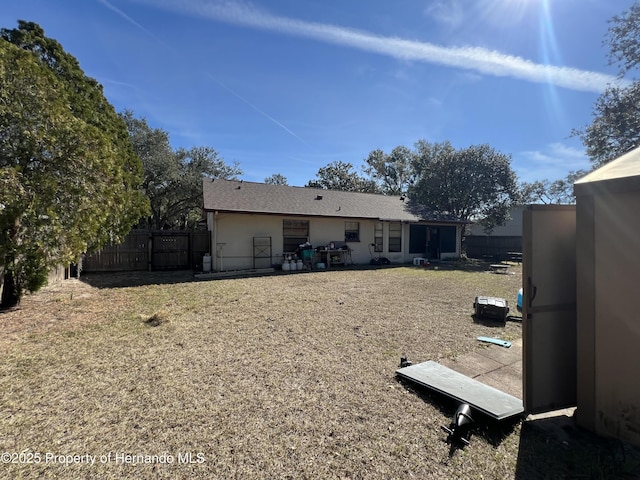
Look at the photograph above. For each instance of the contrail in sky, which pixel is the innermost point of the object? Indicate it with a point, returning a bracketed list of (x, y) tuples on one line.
[(119, 12), (254, 107), (482, 60)]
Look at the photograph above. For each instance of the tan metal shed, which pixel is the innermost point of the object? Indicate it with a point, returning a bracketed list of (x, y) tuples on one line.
[(608, 299)]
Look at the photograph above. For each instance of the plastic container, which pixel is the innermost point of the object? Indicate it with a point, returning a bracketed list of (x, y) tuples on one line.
[(286, 266), (299, 265), (519, 301), (206, 264)]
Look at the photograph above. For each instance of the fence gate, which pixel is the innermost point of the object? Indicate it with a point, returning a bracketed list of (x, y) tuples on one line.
[(170, 251)]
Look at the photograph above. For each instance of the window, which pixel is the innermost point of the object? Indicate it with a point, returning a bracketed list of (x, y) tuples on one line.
[(294, 233), (377, 238), (395, 237), (352, 231)]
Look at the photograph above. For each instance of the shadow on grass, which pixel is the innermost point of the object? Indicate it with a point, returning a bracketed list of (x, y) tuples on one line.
[(492, 431), (557, 448), (142, 278), (136, 279), (549, 448)]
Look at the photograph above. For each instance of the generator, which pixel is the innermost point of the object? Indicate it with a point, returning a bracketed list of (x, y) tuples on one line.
[(491, 307)]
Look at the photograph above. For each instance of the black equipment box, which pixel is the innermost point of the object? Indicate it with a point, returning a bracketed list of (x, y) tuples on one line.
[(491, 307)]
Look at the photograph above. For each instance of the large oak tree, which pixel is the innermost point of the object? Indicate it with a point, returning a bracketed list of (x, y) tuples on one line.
[(173, 178), (470, 184)]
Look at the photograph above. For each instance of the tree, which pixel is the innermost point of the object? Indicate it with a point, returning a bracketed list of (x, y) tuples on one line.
[(475, 183), (623, 38), (547, 192), (392, 172), (340, 176), (615, 129), (173, 179), (276, 179), (69, 176)]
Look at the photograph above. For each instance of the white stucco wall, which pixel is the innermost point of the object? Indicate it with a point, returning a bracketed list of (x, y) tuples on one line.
[(233, 234)]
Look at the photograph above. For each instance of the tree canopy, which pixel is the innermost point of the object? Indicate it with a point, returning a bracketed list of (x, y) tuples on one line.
[(341, 176), (615, 128), (173, 179), (550, 192), (69, 177), (276, 179), (473, 183), (392, 172)]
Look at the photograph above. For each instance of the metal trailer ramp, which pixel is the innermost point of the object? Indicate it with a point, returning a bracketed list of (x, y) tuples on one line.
[(488, 400)]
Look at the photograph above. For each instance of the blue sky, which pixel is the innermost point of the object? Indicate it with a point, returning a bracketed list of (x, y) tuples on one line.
[(290, 86)]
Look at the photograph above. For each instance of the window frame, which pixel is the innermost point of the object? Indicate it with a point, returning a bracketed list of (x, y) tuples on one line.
[(395, 241), (294, 234), (351, 234), (378, 237)]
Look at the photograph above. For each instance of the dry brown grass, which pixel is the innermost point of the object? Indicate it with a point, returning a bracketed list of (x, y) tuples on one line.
[(286, 376)]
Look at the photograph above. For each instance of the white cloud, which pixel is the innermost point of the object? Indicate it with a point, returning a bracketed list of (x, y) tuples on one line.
[(476, 59), (553, 162), (450, 13)]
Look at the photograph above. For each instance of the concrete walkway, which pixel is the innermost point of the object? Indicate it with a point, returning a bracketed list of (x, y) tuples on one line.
[(501, 368), (493, 365)]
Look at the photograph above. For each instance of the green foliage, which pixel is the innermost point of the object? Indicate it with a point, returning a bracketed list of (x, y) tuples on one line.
[(340, 176), (615, 129), (69, 175), (276, 179), (392, 172), (472, 183), (548, 192), (173, 179), (624, 39)]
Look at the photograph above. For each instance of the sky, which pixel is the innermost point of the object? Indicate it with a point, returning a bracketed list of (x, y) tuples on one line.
[(289, 86)]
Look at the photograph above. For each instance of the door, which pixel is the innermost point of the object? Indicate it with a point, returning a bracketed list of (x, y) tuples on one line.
[(549, 307)]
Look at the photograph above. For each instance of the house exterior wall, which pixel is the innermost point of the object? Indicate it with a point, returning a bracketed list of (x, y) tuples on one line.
[(233, 233), (609, 334)]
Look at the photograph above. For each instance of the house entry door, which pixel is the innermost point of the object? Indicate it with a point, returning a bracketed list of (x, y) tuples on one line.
[(549, 307)]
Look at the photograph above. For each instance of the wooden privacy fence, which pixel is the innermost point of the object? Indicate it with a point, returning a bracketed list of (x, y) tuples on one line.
[(151, 250)]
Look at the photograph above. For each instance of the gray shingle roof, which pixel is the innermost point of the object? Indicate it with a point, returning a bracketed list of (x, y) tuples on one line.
[(250, 197)]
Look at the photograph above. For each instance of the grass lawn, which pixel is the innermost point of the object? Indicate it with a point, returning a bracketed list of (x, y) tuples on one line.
[(282, 376)]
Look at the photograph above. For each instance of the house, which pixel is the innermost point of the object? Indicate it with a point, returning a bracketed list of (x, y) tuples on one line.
[(255, 225)]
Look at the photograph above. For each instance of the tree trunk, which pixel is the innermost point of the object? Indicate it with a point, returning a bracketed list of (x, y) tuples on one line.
[(10, 297)]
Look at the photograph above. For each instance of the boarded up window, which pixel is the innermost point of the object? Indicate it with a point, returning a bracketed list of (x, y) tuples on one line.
[(395, 237), (294, 233)]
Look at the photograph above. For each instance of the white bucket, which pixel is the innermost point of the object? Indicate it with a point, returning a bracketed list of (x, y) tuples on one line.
[(206, 263)]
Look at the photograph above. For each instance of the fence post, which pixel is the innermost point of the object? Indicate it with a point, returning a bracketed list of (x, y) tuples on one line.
[(150, 252)]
